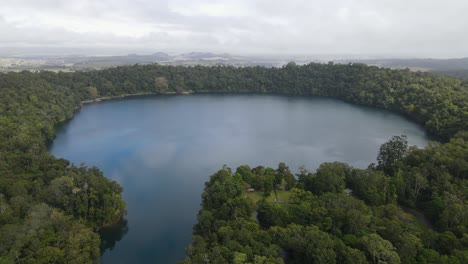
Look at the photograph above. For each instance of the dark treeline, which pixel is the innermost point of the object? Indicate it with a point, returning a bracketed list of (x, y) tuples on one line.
[(49, 208), (321, 222)]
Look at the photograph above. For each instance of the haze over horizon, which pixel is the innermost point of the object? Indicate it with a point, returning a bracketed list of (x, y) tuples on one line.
[(365, 28)]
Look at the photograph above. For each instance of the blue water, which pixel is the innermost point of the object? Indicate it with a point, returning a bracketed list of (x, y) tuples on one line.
[(163, 149)]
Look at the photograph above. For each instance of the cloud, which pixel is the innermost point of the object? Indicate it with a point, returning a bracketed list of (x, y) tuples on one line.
[(397, 27)]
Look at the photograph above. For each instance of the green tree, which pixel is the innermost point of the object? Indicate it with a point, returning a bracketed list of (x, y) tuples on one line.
[(161, 84), (330, 177), (391, 152), (93, 92), (379, 250)]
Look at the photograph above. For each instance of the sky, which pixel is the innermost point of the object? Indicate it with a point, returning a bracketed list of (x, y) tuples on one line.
[(395, 28)]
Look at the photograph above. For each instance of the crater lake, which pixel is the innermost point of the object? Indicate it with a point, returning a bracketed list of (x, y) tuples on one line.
[(162, 149)]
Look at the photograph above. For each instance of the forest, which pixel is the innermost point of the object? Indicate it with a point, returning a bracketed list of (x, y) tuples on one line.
[(50, 209), (321, 221)]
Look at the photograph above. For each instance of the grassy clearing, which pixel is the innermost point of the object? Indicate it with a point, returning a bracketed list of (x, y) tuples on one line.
[(283, 196)]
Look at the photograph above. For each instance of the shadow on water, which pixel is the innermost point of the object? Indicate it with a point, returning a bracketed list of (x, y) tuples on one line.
[(112, 234)]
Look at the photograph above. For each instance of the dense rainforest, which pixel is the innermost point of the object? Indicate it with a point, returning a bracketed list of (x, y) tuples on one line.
[(50, 209)]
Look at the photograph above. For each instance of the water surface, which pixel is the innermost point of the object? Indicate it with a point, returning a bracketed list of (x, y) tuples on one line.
[(163, 149)]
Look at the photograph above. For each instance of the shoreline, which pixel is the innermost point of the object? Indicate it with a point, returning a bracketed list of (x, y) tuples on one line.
[(106, 98)]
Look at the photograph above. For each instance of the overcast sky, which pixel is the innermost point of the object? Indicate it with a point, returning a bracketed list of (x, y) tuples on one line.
[(417, 28)]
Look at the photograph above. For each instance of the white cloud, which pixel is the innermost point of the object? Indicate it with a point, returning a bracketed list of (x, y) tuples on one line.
[(399, 27), (210, 8)]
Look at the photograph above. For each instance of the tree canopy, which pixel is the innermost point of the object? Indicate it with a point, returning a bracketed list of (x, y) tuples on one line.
[(328, 225)]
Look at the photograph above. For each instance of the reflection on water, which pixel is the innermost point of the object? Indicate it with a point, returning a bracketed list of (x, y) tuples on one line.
[(112, 234)]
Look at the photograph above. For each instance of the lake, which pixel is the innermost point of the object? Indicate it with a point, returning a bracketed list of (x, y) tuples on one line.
[(162, 149)]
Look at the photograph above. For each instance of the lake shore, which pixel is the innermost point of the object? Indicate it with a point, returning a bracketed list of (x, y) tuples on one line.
[(105, 98)]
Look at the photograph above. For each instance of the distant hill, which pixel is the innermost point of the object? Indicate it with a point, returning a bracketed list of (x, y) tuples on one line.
[(205, 56)]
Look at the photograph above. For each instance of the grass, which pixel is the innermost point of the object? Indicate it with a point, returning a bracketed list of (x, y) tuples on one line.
[(283, 196)]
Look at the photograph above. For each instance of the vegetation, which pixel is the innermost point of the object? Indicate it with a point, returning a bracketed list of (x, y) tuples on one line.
[(50, 208), (321, 223)]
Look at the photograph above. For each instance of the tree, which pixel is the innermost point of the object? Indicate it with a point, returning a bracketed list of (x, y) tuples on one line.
[(305, 179), (372, 186), (271, 214), (268, 183), (240, 258), (284, 178), (305, 244), (330, 177), (418, 182), (379, 249), (246, 173), (93, 92), (390, 153), (408, 247), (161, 84)]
